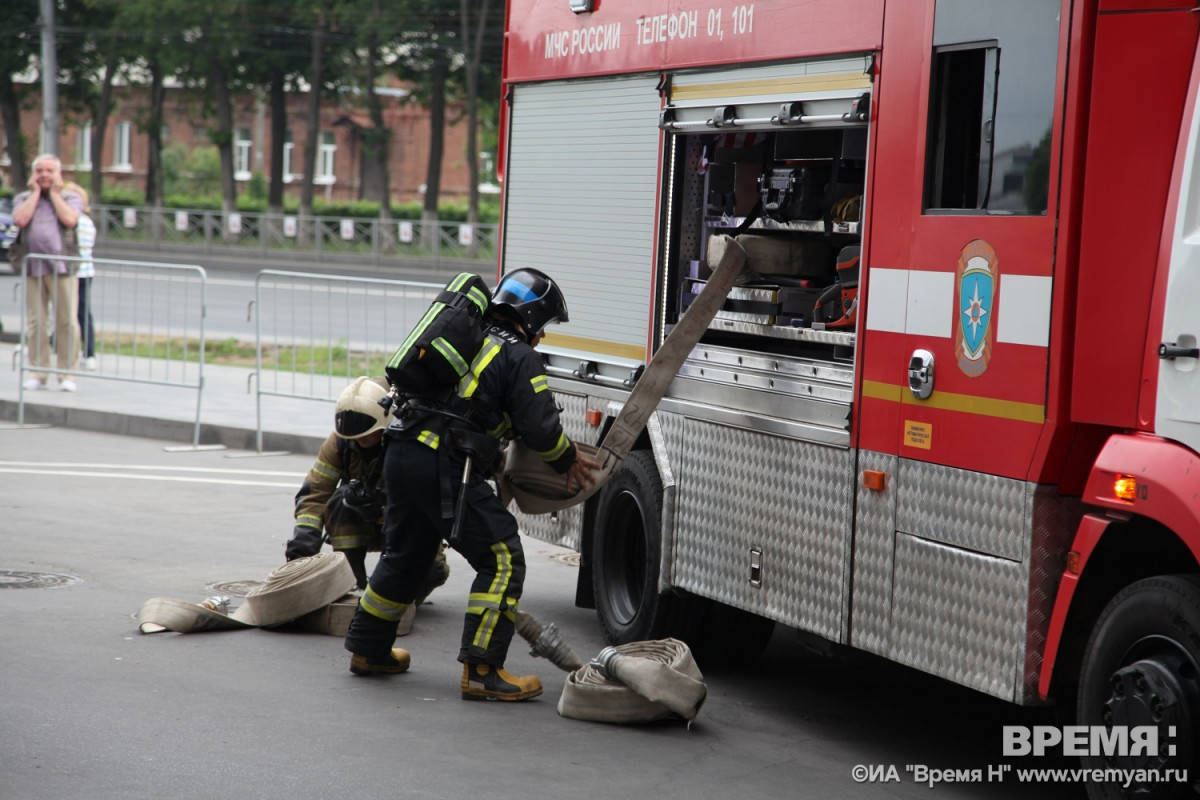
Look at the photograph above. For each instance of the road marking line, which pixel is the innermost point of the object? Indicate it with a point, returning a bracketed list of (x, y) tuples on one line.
[(179, 479), (70, 464)]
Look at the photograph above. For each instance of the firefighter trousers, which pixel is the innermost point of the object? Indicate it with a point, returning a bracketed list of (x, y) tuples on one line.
[(413, 530)]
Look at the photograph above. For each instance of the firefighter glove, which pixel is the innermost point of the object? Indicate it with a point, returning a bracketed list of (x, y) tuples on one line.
[(305, 541)]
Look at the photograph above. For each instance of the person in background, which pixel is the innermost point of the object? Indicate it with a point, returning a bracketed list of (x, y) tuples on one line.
[(85, 234), (47, 215)]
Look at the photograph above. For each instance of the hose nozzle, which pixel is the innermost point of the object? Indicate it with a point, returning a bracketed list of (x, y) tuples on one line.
[(545, 642)]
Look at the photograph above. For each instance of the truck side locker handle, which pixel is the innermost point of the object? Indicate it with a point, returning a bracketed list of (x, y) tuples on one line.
[(920, 374), (1173, 351)]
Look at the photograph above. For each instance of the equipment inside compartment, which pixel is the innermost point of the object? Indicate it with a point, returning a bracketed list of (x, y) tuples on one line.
[(793, 199)]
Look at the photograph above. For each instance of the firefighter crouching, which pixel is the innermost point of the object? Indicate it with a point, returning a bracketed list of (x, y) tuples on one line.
[(342, 496), (506, 394)]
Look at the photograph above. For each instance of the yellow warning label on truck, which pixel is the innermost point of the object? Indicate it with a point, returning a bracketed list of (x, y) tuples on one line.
[(918, 434)]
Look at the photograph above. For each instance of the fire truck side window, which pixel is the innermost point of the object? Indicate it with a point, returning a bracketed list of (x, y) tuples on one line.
[(991, 106)]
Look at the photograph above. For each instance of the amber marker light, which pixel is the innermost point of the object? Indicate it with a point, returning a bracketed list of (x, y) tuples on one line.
[(593, 417), (874, 480), (1125, 488), (1073, 562)]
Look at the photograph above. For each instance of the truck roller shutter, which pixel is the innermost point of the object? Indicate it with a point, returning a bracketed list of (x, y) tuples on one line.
[(580, 182), (806, 94)]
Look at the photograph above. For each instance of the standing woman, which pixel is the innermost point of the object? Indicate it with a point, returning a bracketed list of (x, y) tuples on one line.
[(85, 233)]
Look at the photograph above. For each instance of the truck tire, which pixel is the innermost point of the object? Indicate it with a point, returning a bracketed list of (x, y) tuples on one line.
[(1142, 667), (626, 554)]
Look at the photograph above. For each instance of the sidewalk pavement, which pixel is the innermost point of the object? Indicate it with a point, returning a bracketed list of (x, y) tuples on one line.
[(227, 409)]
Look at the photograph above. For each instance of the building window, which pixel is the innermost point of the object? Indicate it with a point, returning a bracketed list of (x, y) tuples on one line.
[(288, 148), (989, 124), (123, 146), (241, 155), (325, 156), (83, 147)]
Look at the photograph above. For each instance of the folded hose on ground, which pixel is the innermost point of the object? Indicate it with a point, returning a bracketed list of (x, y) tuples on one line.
[(297, 588), (628, 683)]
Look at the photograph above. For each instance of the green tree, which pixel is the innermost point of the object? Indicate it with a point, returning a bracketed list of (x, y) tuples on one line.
[(274, 58), (430, 43), (19, 45)]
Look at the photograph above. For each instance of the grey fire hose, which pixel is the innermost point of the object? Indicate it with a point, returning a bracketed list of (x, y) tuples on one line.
[(636, 682), (537, 488), (290, 592)]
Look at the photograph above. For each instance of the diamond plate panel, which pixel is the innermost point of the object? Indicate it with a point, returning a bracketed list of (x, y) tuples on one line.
[(959, 615), (972, 510), (1055, 520), (738, 490), (874, 552), (565, 527)]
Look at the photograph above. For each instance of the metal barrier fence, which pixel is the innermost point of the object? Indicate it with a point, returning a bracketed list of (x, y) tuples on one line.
[(315, 333), (149, 327), (284, 235)]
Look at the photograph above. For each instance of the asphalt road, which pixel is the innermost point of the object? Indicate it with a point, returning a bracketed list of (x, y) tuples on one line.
[(90, 708)]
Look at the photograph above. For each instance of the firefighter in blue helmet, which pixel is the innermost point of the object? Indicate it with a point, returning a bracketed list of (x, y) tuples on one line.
[(506, 395)]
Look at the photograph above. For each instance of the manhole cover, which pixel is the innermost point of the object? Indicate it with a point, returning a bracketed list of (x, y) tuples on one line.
[(570, 559), (234, 588), (18, 579)]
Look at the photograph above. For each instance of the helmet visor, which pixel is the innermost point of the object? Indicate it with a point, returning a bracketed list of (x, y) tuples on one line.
[(352, 424), (514, 291)]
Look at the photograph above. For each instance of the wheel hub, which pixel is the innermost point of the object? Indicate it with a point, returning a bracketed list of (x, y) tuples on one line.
[(1156, 692)]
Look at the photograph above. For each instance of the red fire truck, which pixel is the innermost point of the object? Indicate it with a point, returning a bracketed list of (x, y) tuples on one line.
[(951, 413)]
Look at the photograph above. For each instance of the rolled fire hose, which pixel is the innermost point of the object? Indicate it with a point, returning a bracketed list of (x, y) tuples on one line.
[(537, 488), (636, 682), (297, 588)]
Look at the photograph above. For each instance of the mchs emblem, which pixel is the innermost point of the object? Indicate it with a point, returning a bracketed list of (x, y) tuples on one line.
[(977, 279)]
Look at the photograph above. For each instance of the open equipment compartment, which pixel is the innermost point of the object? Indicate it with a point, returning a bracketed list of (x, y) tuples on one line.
[(790, 186)]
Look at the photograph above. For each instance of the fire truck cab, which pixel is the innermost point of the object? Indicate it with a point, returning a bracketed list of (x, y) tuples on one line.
[(950, 414)]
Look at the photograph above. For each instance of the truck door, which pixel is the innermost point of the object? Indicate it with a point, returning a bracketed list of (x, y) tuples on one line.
[(1177, 411), (963, 232), (956, 335)]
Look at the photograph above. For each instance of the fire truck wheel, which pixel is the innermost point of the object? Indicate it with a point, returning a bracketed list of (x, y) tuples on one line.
[(1142, 668), (626, 550)]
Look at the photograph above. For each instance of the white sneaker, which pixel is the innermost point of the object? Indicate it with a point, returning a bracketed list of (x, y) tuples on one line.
[(33, 384), (89, 363), (68, 385)]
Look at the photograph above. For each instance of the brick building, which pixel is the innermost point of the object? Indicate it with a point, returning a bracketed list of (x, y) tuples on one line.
[(339, 166)]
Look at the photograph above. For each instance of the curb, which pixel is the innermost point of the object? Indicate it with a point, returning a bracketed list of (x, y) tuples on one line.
[(154, 428)]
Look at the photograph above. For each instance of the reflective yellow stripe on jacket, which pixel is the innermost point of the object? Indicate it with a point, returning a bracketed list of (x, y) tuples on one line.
[(559, 448), (326, 470), (309, 520), (470, 381), (468, 384)]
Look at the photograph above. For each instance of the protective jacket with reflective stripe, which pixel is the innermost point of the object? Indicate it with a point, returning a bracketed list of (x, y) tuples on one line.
[(337, 461), (506, 394)]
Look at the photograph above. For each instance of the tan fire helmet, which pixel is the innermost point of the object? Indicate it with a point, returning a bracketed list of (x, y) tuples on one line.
[(358, 411)]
